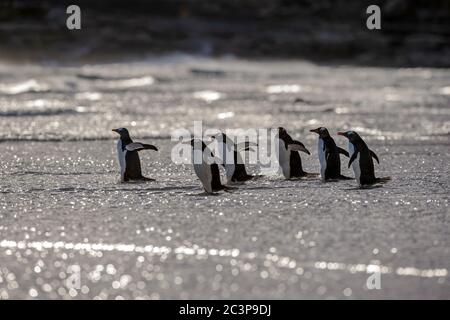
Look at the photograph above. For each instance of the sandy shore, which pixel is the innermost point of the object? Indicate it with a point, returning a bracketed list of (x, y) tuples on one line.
[(268, 239)]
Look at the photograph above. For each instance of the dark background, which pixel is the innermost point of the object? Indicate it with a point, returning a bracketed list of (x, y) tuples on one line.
[(414, 33)]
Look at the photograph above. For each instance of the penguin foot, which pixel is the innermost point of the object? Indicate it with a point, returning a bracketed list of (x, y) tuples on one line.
[(228, 189), (306, 175), (342, 177), (383, 180), (137, 180), (145, 179), (247, 178), (204, 193), (215, 194), (338, 178), (376, 184), (370, 186), (311, 175)]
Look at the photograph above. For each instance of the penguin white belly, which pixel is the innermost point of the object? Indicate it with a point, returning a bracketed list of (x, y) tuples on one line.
[(355, 164), (121, 156), (284, 158), (203, 172), (322, 158)]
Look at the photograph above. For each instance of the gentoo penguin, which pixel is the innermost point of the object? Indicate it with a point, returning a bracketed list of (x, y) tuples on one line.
[(127, 151), (330, 162), (361, 159), (288, 156), (231, 159), (205, 167)]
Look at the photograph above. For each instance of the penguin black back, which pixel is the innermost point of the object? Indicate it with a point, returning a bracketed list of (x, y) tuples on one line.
[(134, 170), (296, 165), (361, 159), (239, 173), (295, 161)]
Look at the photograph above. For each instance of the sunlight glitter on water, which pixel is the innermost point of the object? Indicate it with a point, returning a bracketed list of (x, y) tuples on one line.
[(195, 250), (208, 95), (283, 88), (26, 86)]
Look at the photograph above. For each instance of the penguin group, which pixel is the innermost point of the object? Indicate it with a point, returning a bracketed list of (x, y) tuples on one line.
[(288, 155)]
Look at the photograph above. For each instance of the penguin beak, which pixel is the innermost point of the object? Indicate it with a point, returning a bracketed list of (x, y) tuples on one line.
[(115, 130), (315, 130), (341, 133)]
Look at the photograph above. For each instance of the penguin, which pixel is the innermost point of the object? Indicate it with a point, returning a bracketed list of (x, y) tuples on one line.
[(361, 160), (229, 153), (328, 151), (127, 151), (205, 167), (288, 156)]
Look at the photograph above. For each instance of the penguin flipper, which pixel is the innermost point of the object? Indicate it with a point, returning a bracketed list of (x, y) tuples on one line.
[(354, 155), (150, 147), (383, 179), (344, 152), (137, 146), (374, 156), (295, 145), (245, 145)]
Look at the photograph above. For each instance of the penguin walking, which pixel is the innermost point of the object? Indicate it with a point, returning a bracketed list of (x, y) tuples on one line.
[(229, 153), (361, 160), (288, 156), (127, 151), (205, 167), (328, 151)]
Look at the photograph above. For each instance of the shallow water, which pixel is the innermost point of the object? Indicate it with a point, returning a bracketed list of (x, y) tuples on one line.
[(62, 208)]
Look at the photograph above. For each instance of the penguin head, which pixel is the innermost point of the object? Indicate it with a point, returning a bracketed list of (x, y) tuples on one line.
[(321, 131), (219, 137), (197, 144), (352, 136), (282, 132), (123, 132)]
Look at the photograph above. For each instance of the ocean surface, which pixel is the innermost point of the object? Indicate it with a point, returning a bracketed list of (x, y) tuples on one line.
[(70, 230)]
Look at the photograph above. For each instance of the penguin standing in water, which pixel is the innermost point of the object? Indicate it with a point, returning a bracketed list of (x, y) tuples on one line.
[(205, 167), (330, 162), (229, 153), (127, 151), (288, 156), (361, 160)]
